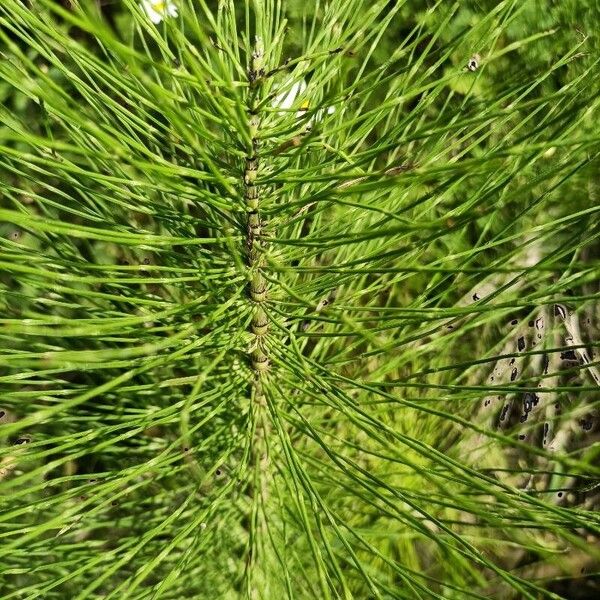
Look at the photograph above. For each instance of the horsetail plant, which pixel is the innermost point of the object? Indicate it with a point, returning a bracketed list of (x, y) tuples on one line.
[(298, 300)]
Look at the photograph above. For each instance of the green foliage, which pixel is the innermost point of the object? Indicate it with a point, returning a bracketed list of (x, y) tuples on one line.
[(271, 340)]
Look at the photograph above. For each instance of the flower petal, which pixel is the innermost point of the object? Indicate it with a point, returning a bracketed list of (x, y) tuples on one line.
[(286, 100)]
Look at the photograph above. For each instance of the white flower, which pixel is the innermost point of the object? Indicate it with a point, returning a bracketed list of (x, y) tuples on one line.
[(157, 10), (286, 100)]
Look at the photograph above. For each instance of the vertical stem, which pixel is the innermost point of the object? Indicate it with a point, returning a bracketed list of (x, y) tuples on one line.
[(258, 292)]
